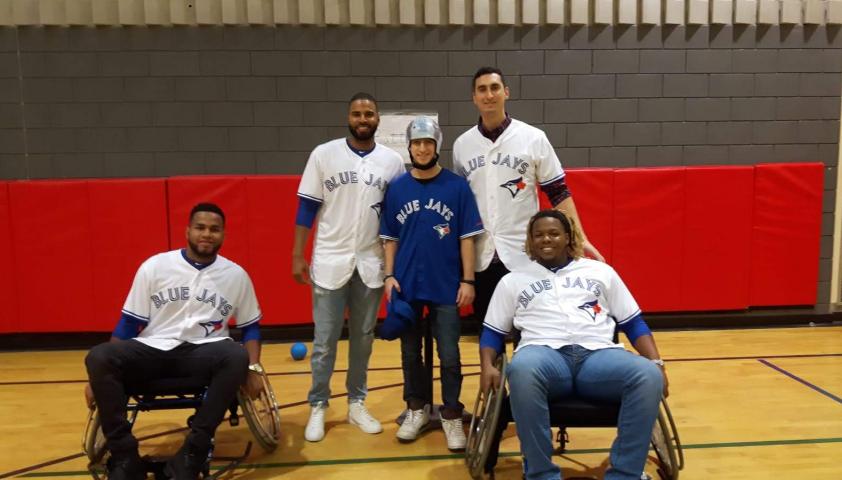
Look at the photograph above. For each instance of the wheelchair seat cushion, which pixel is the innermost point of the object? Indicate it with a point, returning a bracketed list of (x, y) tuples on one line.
[(578, 412), (168, 386)]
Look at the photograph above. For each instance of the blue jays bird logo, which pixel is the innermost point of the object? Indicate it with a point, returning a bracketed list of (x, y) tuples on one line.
[(514, 186), (591, 308), (377, 207), (211, 326), (443, 229)]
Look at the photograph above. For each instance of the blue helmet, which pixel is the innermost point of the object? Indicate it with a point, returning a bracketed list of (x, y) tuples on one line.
[(424, 127)]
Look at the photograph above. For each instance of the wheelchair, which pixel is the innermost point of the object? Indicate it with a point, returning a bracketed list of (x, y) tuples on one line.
[(492, 414), (261, 413)]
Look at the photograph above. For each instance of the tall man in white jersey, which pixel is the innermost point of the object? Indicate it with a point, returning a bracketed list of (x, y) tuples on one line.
[(505, 161), (342, 188), (174, 324)]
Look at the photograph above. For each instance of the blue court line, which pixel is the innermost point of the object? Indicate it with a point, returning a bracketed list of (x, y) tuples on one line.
[(799, 379)]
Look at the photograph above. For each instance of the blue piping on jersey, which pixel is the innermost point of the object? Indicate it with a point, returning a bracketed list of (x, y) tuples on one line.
[(360, 153), (196, 265), (135, 316), (554, 179), (472, 234)]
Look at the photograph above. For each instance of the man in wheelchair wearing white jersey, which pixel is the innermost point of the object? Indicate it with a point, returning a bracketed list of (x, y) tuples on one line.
[(567, 308), (174, 324)]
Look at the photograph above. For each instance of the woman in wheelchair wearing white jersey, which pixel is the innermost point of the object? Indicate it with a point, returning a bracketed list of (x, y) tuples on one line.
[(567, 308)]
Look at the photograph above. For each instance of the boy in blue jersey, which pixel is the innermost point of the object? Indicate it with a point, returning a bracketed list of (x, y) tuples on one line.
[(429, 221)]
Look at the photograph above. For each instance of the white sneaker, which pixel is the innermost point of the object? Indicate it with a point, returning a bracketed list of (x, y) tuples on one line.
[(415, 422), (358, 415), (315, 430), (454, 433)]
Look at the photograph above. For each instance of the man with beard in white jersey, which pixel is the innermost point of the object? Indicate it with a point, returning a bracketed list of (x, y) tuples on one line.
[(174, 324), (342, 189), (505, 161), (567, 308)]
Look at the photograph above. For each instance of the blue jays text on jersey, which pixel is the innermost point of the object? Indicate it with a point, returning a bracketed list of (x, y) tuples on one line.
[(506, 160), (537, 287), (350, 176), (592, 286), (413, 206), (180, 294), (527, 294)]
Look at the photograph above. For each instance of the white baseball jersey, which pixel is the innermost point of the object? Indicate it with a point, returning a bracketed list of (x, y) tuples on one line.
[(504, 176), (180, 303), (577, 305), (350, 189)]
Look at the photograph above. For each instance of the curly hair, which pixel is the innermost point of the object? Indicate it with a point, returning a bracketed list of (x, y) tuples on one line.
[(575, 249)]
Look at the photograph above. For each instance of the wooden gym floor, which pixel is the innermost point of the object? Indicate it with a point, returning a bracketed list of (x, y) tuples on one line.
[(749, 404)]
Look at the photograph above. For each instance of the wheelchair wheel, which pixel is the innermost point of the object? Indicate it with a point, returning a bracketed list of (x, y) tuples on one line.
[(484, 421), (666, 444), (262, 415), (93, 440)]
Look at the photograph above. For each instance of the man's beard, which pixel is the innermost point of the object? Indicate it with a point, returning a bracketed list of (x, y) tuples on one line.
[(195, 248), (365, 136), (428, 166)]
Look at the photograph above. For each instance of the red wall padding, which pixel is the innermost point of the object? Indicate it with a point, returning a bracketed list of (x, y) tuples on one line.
[(51, 237), (272, 205), (8, 296), (128, 225), (648, 223), (785, 234), (74, 262), (593, 193), (260, 214), (716, 238), (684, 239)]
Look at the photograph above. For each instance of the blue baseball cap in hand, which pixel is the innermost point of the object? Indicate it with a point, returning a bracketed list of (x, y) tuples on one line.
[(400, 316)]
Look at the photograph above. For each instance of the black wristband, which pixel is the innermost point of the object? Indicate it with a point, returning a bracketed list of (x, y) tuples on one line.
[(388, 277), (469, 282)]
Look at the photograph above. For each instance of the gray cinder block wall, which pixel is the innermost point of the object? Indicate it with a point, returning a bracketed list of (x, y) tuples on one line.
[(127, 102)]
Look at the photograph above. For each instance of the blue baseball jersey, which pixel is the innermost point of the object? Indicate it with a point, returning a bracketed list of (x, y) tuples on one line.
[(428, 218)]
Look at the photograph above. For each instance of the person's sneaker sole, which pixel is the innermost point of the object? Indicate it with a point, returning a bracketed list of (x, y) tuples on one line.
[(380, 430), (421, 430)]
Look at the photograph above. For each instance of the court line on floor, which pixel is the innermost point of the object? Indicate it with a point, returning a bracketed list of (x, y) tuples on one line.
[(23, 471), (800, 380), (471, 365), (457, 456)]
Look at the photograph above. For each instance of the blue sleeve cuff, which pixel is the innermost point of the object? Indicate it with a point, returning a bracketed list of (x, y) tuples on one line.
[(251, 332), (635, 328), (307, 210), (128, 327), (490, 338)]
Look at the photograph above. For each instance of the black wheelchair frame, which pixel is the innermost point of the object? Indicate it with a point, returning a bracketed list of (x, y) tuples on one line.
[(261, 413), (492, 415)]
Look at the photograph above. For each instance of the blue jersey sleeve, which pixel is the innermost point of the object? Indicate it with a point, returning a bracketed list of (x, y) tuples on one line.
[(307, 211), (470, 222), (128, 327)]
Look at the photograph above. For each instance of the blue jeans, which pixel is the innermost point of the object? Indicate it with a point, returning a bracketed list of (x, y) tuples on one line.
[(538, 374), (446, 326), (329, 316)]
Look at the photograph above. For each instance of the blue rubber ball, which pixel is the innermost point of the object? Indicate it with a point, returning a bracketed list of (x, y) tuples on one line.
[(298, 350)]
